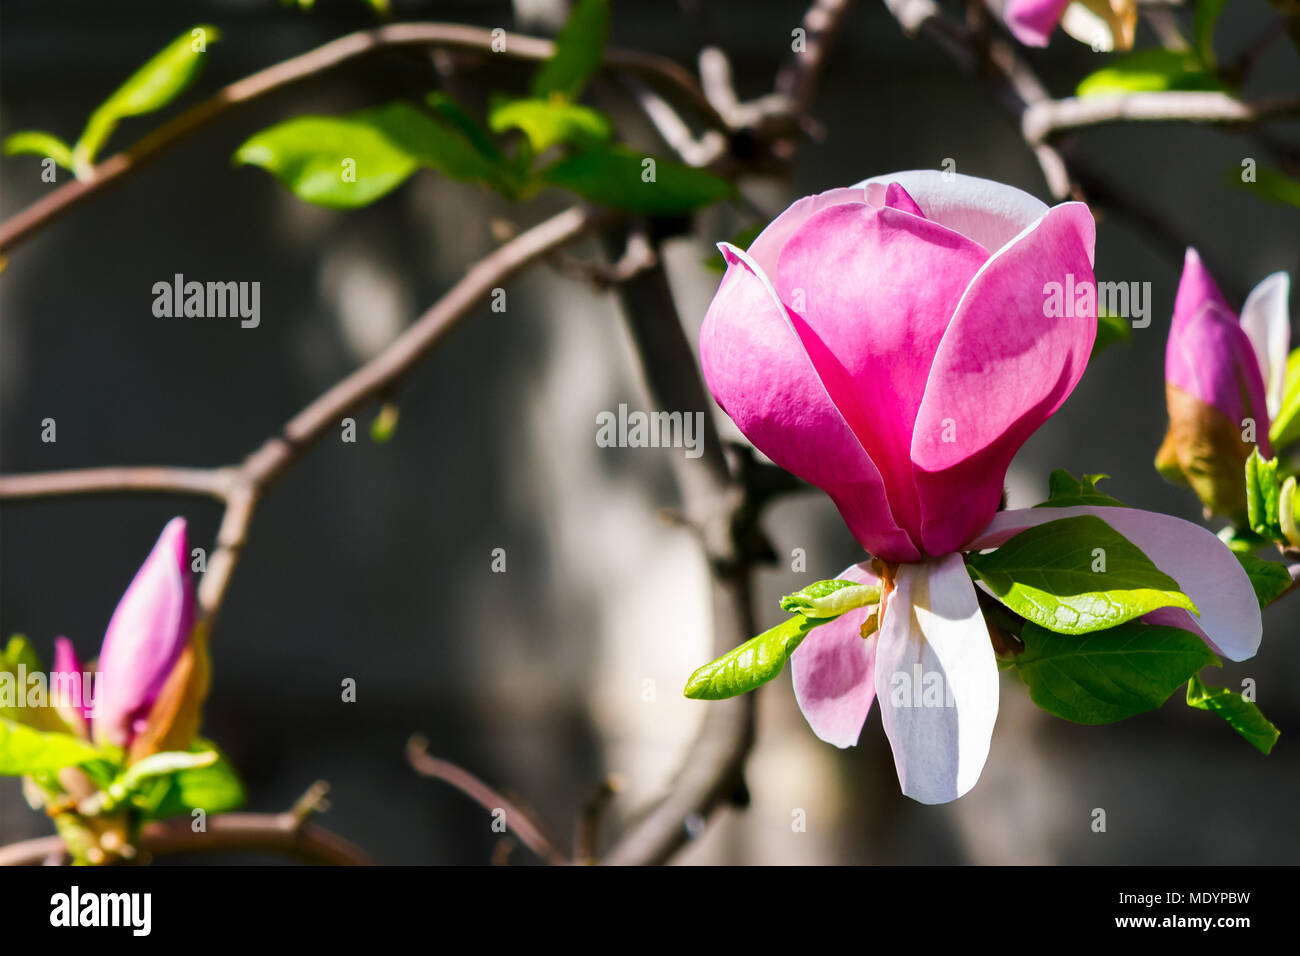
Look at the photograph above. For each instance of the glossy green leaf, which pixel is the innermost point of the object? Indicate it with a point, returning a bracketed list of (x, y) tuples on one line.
[(1149, 71), (1263, 493), (1244, 716), (625, 180), (1066, 491), (1268, 578), (25, 750), (578, 49), (1285, 428), (830, 598), (40, 144), (215, 788), (349, 161), (1075, 576), (1109, 675), (755, 662), (548, 123), (149, 88)]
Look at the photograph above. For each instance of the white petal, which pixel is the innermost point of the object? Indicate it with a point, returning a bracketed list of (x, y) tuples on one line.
[(989, 212), (1266, 322), (1202, 565), (937, 680)]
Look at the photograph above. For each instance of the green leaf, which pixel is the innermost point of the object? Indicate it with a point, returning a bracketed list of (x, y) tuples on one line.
[(25, 750), (18, 663), (1268, 578), (1207, 15), (41, 144), (578, 49), (215, 788), (830, 598), (1149, 71), (1108, 675), (1263, 493), (1267, 184), (625, 180), (1243, 715), (384, 425), (1066, 491), (755, 662), (1111, 329), (454, 114), (350, 161), (547, 123), (1075, 576), (149, 88), (1286, 426)]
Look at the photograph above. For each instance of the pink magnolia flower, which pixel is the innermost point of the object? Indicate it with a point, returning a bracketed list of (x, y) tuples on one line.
[(890, 343), (144, 640), (1224, 382), (1104, 25)]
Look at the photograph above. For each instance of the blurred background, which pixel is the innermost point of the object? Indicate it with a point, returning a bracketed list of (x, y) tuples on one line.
[(373, 562)]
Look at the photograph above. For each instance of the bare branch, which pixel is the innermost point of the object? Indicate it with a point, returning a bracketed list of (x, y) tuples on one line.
[(520, 823), (1047, 118), (659, 72), (146, 480)]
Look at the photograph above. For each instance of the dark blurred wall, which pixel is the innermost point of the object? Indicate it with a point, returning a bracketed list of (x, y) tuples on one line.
[(373, 562)]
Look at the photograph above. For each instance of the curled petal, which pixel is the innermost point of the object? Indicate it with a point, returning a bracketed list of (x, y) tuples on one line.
[(1203, 566), (937, 680), (1267, 324), (987, 212), (1004, 366), (832, 671), (757, 370)]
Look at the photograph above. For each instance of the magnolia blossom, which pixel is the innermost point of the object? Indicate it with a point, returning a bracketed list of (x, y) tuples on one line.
[(1104, 25), (1224, 381), (145, 639), (889, 342)]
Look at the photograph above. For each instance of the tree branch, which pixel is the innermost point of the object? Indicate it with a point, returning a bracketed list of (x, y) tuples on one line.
[(242, 486), (520, 823), (659, 72)]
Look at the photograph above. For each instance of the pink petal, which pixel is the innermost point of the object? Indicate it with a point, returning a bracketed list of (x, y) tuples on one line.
[(870, 292), (1266, 321), (1002, 369), (68, 691), (988, 212), (1032, 21), (758, 372), (766, 248), (1203, 566), (937, 680), (1211, 357), (145, 637), (832, 671)]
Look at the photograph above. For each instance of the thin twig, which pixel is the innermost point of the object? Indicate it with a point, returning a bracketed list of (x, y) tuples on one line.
[(529, 832), (662, 73)]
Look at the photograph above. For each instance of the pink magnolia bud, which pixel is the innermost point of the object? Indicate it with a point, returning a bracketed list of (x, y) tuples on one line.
[(68, 690), (1104, 25), (1223, 382), (145, 638)]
